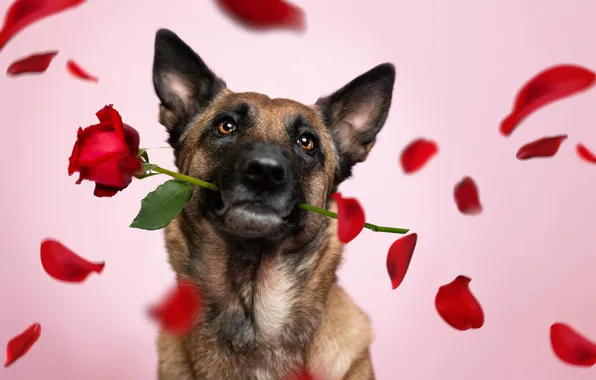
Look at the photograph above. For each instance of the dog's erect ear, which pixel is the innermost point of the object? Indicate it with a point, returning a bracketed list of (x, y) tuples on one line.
[(356, 113), (183, 82)]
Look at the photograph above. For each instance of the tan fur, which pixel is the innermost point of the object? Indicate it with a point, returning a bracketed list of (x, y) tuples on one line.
[(284, 306)]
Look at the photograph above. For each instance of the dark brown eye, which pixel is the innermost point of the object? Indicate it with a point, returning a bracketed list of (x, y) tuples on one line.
[(306, 143), (226, 127)]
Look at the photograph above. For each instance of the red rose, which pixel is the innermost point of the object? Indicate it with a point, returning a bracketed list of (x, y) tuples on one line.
[(106, 153)]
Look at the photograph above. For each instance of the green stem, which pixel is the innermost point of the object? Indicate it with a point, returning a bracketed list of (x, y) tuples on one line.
[(159, 147), (304, 206), (370, 226), (185, 178)]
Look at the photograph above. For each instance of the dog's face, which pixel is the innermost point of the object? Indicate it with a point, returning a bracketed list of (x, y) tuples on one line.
[(265, 155)]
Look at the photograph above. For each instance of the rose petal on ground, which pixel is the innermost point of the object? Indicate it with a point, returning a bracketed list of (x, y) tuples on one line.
[(544, 147), (22, 343), (350, 218), (466, 197), (399, 257), (79, 72), (586, 154), (23, 13), (63, 264), (265, 14), (176, 313), (572, 347), (456, 304), (417, 154), (35, 63), (546, 87)]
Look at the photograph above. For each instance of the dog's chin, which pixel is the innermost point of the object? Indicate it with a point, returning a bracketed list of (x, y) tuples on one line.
[(253, 220)]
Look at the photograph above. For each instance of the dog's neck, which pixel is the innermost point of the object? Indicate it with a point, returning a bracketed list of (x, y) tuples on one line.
[(258, 295)]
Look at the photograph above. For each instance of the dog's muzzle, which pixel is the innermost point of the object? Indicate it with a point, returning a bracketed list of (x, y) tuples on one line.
[(258, 189)]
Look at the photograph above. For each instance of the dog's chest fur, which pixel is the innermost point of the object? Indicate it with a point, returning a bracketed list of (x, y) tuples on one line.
[(262, 310)]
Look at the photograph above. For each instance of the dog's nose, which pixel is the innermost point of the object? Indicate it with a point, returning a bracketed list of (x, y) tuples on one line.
[(266, 171)]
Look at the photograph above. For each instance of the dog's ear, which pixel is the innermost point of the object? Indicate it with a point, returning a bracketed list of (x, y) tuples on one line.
[(356, 113), (183, 82)]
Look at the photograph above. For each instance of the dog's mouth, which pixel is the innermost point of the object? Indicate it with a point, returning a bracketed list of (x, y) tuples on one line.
[(252, 218)]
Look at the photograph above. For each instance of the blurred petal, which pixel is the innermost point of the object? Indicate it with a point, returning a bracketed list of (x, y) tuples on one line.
[(546, 87), (63, 264), (35, 63), (350, 218)]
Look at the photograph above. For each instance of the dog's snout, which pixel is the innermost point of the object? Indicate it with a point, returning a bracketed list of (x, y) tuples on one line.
[(266, 171)]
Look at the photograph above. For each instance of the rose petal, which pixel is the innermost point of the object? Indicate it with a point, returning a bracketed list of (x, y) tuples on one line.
[(302, 375), (132, 139), (456, 304), (63, 264), (22, 343), (116, 171), (585, 154), (73, 165), (78, 71), (35, 63), (23, 13), (546, 87), (109, 114), (97, 144), (572, 347), (264, 14), (417, 154), (399, 257), (544, 147), (102, 191), (350, 218), (466, 197), (176, 313)]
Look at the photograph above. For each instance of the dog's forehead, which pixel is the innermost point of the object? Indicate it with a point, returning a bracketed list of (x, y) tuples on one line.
[(272, 115)]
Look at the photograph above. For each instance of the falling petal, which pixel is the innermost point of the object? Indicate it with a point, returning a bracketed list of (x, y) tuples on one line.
[(456, 304), (35, 63), (302, 375), (466, 197), (571, 347), (399, 257), (548, 86), (417, 154), (63, 264), (78, 71), (264, 14), (586, 154), (350, 218), (176, 313), (20, 344), (544, 147), (23, 13)]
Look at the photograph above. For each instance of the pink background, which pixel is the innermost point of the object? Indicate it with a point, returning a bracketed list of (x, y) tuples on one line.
[(459, 64)]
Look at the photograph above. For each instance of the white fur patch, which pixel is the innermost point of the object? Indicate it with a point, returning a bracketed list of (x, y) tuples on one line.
[(273, 300), (178, 86), (262, 374)]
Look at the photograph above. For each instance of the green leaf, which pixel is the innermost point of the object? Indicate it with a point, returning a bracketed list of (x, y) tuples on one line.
[(162, 205), (143, 154)]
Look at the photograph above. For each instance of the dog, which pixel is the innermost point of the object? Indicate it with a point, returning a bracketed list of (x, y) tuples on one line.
[(266, 268)]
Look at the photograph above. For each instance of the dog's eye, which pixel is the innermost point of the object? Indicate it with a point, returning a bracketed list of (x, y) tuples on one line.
[(226, 127), (306, 142)]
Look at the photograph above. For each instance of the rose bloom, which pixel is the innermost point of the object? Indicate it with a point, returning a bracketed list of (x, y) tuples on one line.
[(106, 153)]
